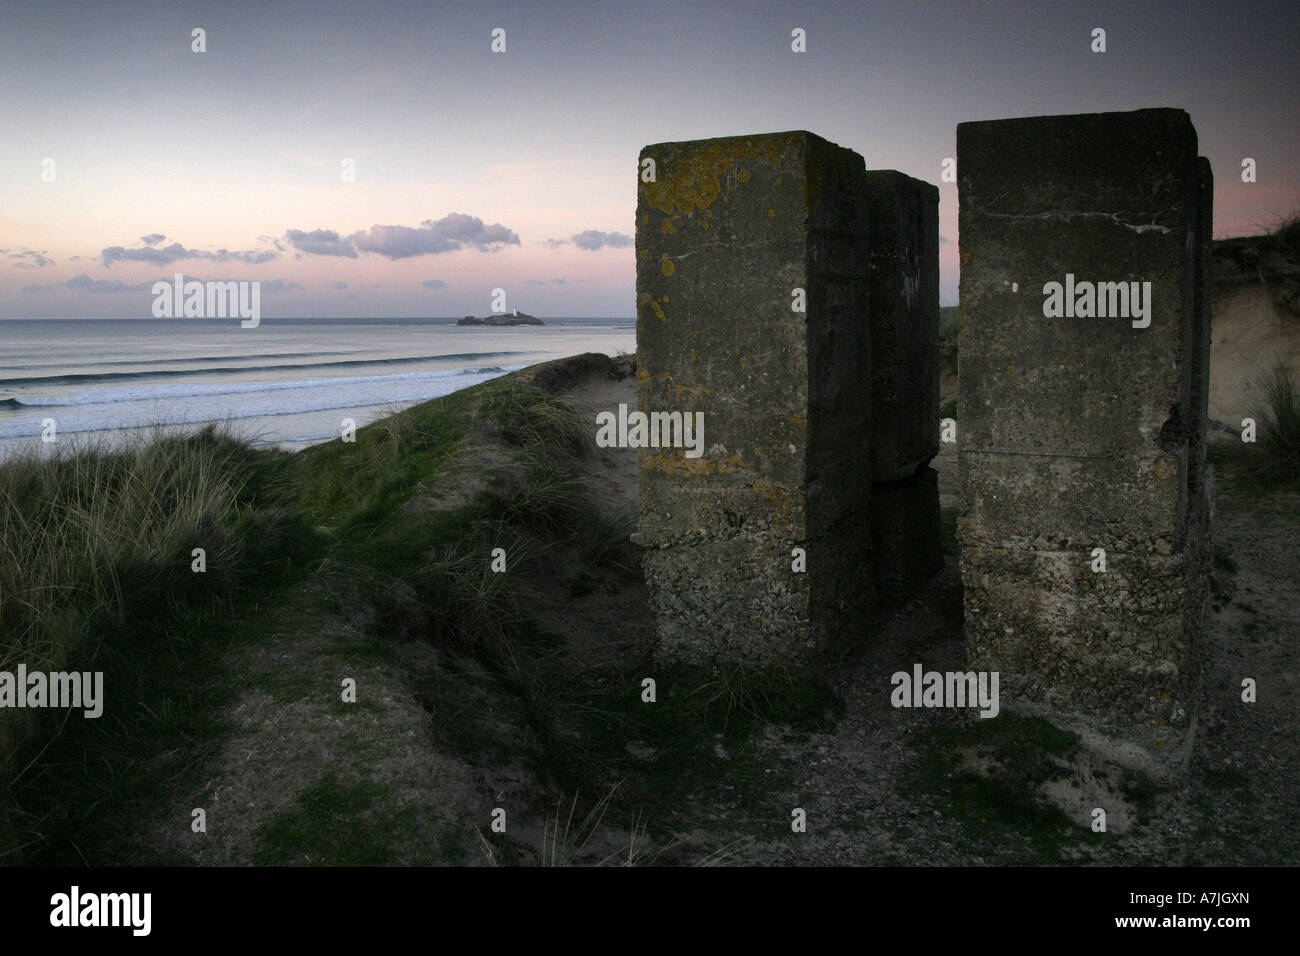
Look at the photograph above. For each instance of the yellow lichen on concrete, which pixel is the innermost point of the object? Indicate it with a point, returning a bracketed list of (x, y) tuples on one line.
[(777, 495), (667, 382), (667, 267), (677, 464), (694, 180), (687, 391)]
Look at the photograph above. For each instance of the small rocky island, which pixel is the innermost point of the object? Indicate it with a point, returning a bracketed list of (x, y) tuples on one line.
[(517, 318)]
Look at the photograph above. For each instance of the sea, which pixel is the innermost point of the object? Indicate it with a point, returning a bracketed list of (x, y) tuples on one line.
[(285, 382)]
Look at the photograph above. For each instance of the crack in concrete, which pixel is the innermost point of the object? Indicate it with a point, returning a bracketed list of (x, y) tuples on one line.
[(729, 245), (1070, 214)]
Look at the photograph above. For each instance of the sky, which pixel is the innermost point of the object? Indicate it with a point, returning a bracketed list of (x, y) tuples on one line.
[(127, 156)]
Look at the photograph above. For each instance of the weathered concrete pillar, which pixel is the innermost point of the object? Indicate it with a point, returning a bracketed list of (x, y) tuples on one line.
[(905, 537), (1078, 399), (752, 291), (1202, 319), (904, 259)]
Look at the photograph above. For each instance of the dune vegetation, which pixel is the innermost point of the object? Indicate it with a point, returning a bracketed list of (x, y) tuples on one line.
[(458, 563), (398, 527)]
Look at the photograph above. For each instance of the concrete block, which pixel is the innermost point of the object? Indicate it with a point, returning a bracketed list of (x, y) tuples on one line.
[(906, 537), (1082, 355), (904, 217), (727, 233)]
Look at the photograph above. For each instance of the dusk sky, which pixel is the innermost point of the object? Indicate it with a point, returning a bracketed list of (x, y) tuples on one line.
[(476, 169)]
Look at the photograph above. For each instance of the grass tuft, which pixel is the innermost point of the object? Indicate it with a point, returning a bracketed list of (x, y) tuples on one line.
[(1272, 461), (97, 572)]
